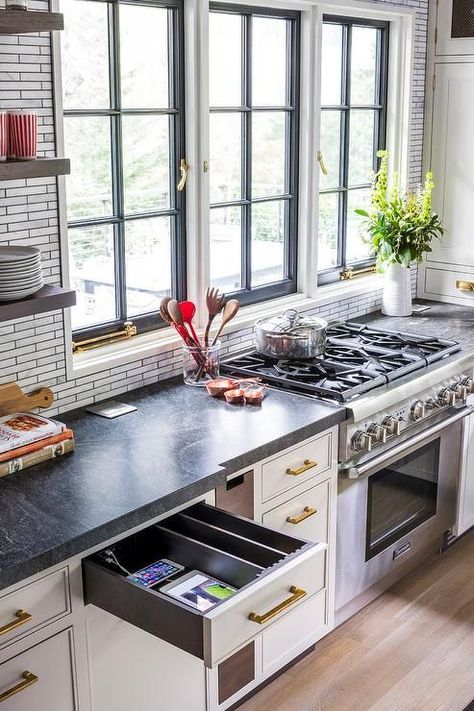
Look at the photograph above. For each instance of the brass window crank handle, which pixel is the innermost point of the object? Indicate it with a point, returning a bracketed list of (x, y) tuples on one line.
[(184, 170)]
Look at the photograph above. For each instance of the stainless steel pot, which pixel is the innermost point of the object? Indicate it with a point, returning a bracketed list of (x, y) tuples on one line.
[(291, 335)]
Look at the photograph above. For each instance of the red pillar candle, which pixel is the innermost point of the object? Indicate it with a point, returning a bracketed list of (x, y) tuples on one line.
[(23, 135)]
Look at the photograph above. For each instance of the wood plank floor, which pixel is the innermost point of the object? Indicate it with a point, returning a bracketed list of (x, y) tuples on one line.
[(412, 649)]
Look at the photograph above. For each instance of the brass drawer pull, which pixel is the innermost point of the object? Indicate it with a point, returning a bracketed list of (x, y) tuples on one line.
[(307, 512), (296, 594), (21, 618), (28, 679), (464, 285), (308, 464)]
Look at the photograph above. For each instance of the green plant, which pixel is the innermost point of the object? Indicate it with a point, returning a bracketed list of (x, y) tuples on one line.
[(401, 225)]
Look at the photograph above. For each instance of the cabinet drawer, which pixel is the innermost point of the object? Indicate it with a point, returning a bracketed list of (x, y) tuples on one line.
[(272, 573), (442, 282), (294, 634), (293, 468), (33, 605), (40, 679), (305, 515)]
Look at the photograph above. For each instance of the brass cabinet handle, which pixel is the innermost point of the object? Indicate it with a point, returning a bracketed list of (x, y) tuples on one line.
[(28, 679), (184, 170), (464, 285), (307, 512), (21, 617), (322, 164), (308, 464), (296, 594)]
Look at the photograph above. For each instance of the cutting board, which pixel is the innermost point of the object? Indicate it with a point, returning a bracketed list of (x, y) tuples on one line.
[(13, 399)]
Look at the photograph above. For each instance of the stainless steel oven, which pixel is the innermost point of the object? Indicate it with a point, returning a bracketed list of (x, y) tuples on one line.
[(394, 506)]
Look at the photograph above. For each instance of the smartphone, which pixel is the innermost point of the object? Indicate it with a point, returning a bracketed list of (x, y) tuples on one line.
[(155, 573)]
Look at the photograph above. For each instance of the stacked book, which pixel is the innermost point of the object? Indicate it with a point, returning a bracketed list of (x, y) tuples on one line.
[(27, 439)]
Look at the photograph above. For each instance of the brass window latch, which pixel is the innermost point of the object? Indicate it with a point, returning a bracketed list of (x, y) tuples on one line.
[(129, 330), (349, 273), (184, 170), (322, 164)]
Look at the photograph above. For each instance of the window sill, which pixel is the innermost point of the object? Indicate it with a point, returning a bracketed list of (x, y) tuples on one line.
[(152, 344)]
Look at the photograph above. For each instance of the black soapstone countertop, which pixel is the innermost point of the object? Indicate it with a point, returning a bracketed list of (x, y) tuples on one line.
[(179, 444)]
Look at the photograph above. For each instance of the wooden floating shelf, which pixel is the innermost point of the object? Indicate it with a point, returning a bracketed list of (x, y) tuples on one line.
[(48, 298), (37, 168), (17, 22)]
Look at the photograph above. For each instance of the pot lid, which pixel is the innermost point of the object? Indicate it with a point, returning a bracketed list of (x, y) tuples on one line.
[(289, 322)]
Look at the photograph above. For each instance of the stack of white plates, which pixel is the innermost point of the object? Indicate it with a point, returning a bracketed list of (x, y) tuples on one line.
[(20, 272)]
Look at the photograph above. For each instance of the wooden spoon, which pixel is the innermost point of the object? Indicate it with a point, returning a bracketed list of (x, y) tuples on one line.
[(175, 312), (230, 310), (164, 310), (215, 304)]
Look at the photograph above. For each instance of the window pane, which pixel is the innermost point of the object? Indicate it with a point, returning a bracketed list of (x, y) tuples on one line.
[(225, 59), (226, 156), (331, 62), (84, 56), (357, 249), (226, 246), (89, 186), (268, 153), (91, 264), (330, 148), (144, 56), (147, 264), (363, 65), (268, 230), (269, 61), (328, 229), (362, 147), (145, 163)]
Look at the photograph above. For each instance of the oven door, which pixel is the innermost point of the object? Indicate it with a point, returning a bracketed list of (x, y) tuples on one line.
[(400, 503)]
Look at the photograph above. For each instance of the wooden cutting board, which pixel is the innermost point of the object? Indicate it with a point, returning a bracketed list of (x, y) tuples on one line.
[(13, 399)]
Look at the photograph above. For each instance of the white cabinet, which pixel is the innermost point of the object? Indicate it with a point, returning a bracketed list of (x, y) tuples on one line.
[(454, 28), (451, 159), (465, 514), (40, 678)]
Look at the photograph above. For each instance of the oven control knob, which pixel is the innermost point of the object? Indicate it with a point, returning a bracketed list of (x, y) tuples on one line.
[(446, 397), (378, 433), (361, 441), (417, 410), (460, 391), (392, 425), (431, 404), (468, 383)]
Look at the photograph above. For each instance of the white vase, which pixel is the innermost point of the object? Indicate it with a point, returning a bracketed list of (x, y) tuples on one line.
[(396, 299)]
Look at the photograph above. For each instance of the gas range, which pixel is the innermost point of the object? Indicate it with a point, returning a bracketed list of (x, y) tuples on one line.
[(392, 384)]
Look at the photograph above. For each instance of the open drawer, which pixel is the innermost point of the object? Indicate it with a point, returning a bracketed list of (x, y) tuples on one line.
[(272, 572)]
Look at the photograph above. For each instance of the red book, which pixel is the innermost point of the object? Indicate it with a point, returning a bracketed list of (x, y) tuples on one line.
[(34, 446)]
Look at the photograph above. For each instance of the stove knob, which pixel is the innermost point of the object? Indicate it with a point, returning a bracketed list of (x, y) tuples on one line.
[(391, 425), (446, 397), (361, 441), (468, 383), (417, 410), (378, 433), (460, 391), (431, 404)]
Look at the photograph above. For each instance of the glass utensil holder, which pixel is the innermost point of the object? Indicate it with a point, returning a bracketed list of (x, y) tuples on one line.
[(201, 364)]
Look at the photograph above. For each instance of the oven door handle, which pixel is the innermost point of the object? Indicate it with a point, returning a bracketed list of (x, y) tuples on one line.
[(403, 447)]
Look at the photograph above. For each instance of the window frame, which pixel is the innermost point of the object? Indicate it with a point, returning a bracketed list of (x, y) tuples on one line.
[(334, 274), (288, 285), (176, 211)]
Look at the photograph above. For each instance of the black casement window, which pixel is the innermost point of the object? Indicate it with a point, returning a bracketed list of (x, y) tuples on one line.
[(353, 127), (122, 67), (254, 99)]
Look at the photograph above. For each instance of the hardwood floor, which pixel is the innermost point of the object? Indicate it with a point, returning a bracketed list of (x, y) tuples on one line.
[(412, 649)]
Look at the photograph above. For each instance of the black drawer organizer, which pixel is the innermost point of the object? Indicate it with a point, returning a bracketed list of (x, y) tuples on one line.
[(232, 549)]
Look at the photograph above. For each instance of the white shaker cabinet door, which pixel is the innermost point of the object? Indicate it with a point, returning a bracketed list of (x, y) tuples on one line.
[(465, 517), (452, 161)]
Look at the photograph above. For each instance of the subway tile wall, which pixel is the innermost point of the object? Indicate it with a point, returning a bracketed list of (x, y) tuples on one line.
[(32, 350)]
